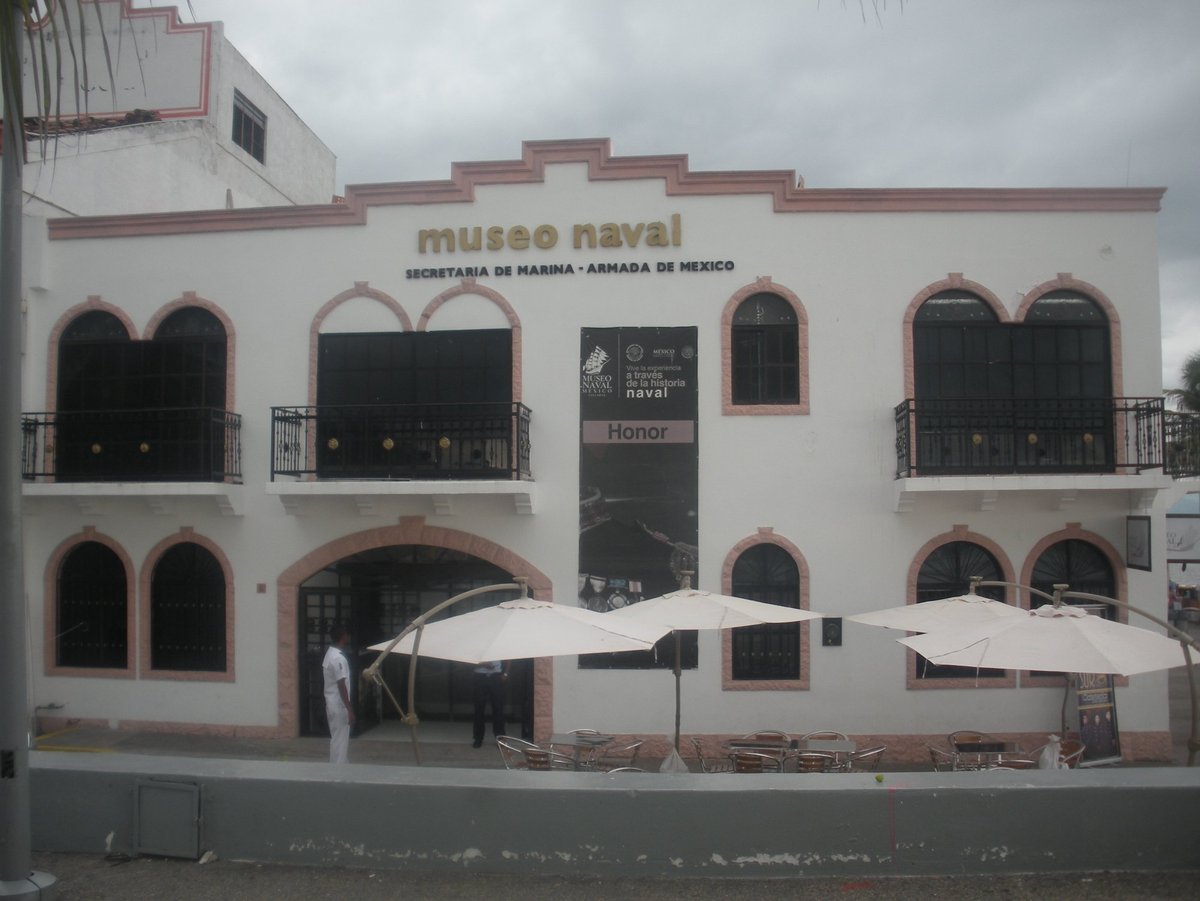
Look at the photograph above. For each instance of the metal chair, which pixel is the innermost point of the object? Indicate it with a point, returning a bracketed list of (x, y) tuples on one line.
[(512, 751), (967, 736), (814, 762), (754, 762), (620, 757), (866, 760), (545, 759), (824, 735), (943, 761), (779, 743), (710, 764), (1070, 752), (586, 758), (768, 735)]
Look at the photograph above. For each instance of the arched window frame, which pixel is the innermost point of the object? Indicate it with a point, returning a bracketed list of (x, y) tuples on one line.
[(51, 623), (1074, 532), (763, 285), (766, 535), (957, 533), (185, 535)]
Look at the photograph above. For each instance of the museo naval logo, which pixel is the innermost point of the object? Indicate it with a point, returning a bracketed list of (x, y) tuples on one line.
[(596, 361), (634, 352), (595, 382)]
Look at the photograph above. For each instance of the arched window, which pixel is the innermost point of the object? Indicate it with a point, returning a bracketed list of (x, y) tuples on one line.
[(947, 572), (185, 364), (187, 610), (1079, 565), (997, 397), (142, 410), (93, 603), (767, 573), (380, 393), (765, 341)]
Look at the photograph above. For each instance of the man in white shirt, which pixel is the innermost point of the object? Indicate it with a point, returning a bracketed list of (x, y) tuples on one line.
[(338, 709)]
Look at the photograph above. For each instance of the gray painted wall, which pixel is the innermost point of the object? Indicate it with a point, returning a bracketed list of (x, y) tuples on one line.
[(645, 824)]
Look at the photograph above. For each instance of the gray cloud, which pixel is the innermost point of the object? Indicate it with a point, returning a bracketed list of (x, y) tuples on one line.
[(939, 93)]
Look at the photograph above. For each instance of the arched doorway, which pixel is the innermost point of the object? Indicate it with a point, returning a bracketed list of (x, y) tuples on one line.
[(376, 593)]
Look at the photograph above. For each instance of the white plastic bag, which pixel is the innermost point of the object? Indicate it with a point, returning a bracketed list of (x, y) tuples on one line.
[(1051, 752)]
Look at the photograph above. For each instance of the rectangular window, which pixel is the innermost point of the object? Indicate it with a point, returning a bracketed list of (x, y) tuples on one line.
[(249, 127)]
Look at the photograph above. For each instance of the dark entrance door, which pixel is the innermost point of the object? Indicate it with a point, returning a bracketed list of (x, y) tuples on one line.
[(377, 593)]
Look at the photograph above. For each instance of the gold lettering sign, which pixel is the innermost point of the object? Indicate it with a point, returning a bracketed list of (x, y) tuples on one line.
[(584, 235)]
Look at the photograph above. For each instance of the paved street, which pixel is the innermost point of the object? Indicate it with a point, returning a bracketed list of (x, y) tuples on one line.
[(83, 877)]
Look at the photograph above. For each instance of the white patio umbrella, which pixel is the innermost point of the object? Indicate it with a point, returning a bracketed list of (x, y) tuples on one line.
[(1053, 638), (931, 616), (512, 630), (691, 608)]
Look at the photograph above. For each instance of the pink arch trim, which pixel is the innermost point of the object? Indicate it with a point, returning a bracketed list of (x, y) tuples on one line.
[(360, 289), (410, 530), (765, 535), (1075, 531), (470, 286), (191, 299), (94, 302), (956, 533), (954, 281), (185, 535), (762, 285), (1067, 282), (51, 626)]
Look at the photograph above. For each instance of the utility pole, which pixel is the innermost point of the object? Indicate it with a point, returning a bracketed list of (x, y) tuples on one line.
[(17, 878)]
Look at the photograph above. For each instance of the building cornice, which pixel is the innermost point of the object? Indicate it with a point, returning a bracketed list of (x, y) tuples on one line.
[(786, 191)]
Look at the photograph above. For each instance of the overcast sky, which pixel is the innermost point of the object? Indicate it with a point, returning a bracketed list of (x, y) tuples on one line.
[(929, 93)]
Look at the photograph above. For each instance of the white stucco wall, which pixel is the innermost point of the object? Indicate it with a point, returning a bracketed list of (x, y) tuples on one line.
[(824, 481)]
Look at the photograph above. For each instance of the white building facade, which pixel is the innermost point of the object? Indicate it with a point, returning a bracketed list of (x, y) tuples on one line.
[(179, 121), (595, 372)]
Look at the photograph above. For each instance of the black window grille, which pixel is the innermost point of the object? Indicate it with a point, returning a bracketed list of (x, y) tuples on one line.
[(947, 572), (187, 611), (1080, 566), (767, 573), (93, 599), (765, 351), (249, 127)]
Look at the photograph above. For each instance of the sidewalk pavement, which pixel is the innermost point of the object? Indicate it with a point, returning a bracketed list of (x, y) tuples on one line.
[(83, 877)]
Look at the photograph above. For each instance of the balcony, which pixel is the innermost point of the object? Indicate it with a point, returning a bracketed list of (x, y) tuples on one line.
[(1182, 444), (1064, 445), (439, 451), (191, 444), (159, 455)]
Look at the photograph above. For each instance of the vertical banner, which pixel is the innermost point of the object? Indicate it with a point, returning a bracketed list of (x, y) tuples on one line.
[(1097, 706), (638, 470)]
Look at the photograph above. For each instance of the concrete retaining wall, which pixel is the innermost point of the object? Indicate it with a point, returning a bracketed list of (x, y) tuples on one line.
[(643, 824)]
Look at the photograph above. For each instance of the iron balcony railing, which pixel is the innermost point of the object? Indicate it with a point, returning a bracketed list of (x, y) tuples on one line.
[(401, 441), (186, 444), (994, 436), (1182, 443)]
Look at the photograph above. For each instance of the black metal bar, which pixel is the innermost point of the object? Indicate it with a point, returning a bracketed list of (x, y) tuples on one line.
[(185, 444), (964, 436), (401, 441)]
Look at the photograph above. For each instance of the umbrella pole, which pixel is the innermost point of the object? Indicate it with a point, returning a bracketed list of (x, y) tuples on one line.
[(678, 655)]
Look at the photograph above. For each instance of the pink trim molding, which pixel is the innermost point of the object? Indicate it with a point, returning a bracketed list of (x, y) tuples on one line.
[(410, 530), (186, 534), (51, 626), (956, 533), (781, 185), (765, 535), (762, 285)]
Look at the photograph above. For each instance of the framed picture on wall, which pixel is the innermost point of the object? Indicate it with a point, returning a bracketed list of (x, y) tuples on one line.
[(1137, 542)]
